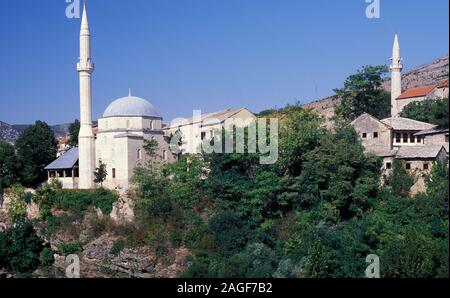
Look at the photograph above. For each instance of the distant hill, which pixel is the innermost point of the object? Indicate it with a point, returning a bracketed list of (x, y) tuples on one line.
[(10, 133), (427, 74)]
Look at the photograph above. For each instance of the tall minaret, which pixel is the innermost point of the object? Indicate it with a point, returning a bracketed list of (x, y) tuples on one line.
[(86, 139), (396, 76)]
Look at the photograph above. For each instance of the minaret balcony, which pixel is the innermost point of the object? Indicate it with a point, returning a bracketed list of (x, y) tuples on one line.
[(87, 66)]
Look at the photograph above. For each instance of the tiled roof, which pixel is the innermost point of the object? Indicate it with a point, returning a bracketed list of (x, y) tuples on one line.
[(400, 123), (65, 161), (417, 92), (432, 131), (443, 84), (419, 151)]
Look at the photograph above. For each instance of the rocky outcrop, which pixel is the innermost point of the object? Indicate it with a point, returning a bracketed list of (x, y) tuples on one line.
[(8, 133), (98, 261), (122, 211)]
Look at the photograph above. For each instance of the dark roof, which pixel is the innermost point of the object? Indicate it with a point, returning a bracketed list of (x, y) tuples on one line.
[(65, 161), (432, 131), (419, 151)]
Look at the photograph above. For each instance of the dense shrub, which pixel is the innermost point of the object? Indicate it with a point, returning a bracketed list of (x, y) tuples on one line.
[(80, 200), (20, 248), (117, 247), (46, 257), (230, 232)]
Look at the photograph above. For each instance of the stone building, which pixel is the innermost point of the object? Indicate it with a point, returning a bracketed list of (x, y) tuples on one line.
[(422, 93), (418, 143), (194, 130)]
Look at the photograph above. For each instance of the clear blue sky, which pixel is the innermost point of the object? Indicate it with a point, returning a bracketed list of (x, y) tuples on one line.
[(203, 54)]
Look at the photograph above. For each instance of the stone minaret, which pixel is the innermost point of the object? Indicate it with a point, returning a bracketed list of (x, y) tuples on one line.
[(86, 139), (396, 76)]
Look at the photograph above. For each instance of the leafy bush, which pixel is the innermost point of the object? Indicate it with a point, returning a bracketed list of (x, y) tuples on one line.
[(80, 200), (70, 248), (117, 247), (46, 257), (20, 248)]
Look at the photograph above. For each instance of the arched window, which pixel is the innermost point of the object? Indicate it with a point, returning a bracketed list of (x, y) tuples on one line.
[(139, 154)]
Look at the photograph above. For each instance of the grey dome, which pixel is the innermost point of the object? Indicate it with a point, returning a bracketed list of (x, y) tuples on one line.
[(130, 106)]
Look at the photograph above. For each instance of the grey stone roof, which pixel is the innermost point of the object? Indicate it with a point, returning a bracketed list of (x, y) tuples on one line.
[(384, 152), (432, 131), (400, 123), (130, 106), (210, 118), (419, 151), (65, 161)]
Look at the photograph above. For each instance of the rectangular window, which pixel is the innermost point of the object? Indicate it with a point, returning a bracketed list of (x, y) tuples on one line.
[(165, 155), (388, 166), (139, 154), (398, 138), (412, 138), (408, 166), (375, 135), (426, 166), (364, 135), (151, 125), (114, 173), (405, 138), (419, 140), (203, 135)]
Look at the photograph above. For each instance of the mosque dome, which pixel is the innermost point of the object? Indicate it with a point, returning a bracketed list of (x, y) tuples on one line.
[(130, 106)]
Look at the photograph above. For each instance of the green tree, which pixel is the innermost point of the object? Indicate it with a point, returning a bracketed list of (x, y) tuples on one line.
[(363, 93), (74, 130), (8, 165), (433, 111), (438, 181), (36, 148), (100, 173), (153, 201), (399, 180)]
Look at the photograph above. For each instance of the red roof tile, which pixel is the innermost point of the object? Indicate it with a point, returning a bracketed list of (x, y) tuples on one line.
[(417, 92), (443, 84)]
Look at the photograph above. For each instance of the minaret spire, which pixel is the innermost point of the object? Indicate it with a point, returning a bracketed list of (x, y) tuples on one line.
[(396, 76), (86, 139)]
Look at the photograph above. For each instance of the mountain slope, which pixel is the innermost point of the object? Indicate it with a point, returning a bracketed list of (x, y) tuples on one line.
[(8, 133)]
